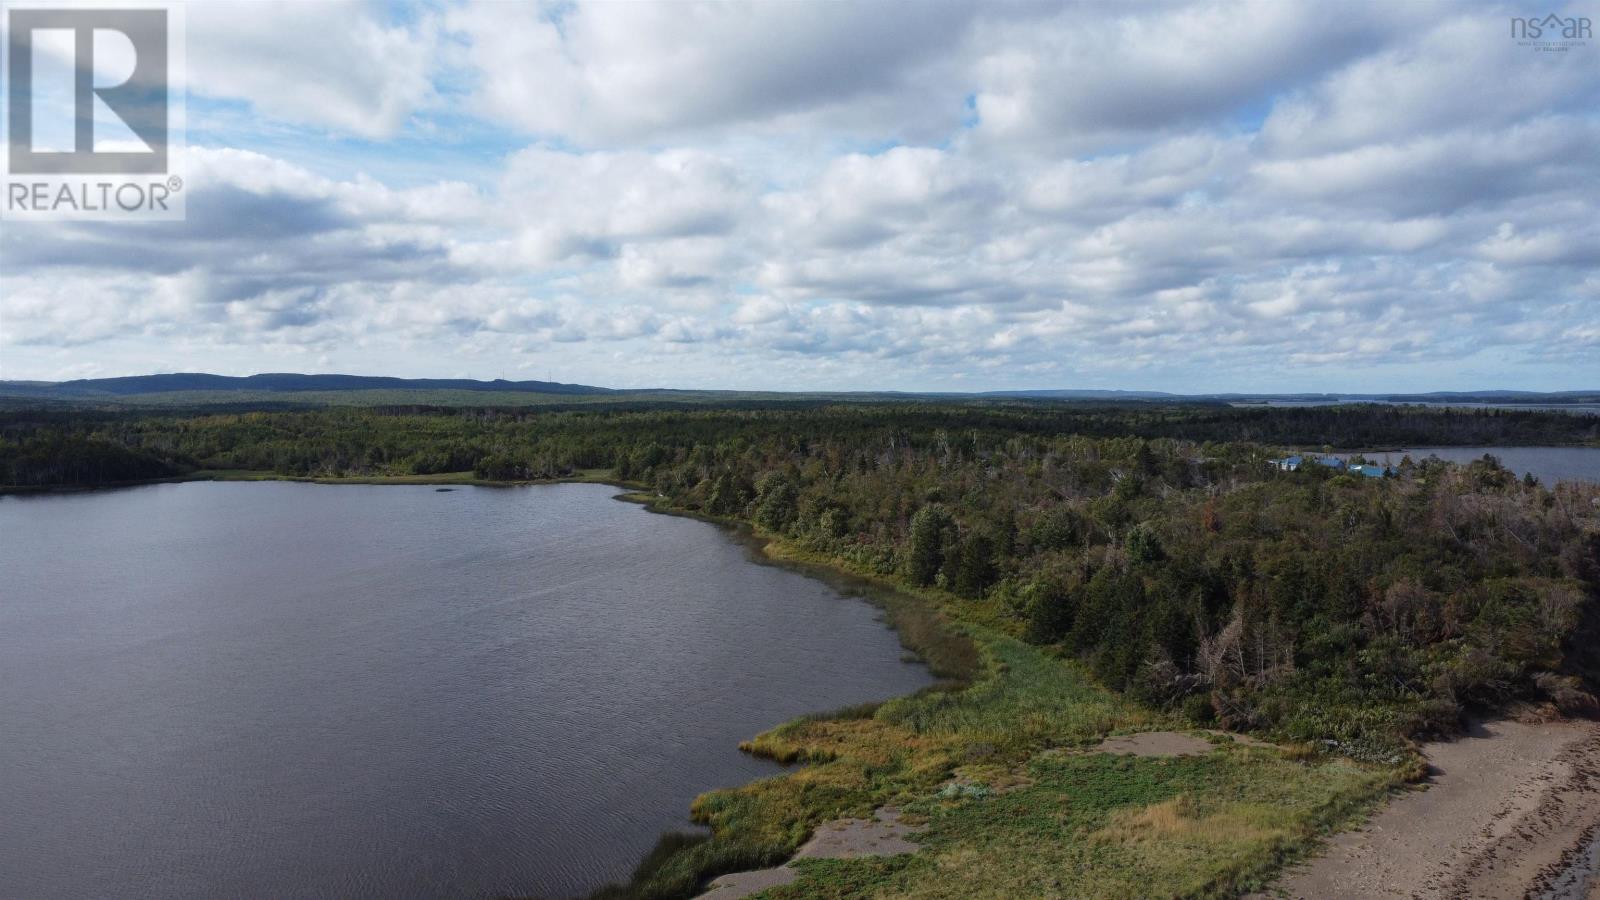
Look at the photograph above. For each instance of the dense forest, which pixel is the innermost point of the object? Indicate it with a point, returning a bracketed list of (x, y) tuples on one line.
[(1154, 543), (84, 447)]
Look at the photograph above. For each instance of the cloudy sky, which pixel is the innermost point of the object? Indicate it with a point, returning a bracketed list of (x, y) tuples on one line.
[(1262, 196)]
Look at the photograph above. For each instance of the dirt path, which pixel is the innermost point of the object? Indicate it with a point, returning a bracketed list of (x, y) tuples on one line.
[(1504, 806)]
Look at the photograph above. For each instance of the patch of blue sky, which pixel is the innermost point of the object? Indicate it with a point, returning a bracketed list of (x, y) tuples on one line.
[(431, 147)]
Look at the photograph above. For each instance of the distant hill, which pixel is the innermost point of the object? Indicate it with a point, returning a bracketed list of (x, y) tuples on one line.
[(1086, 395), (283, 389), (1508, 398), (280, 382), (1514, 397)]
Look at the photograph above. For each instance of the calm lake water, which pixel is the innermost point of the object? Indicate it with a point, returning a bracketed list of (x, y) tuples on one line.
[(1577, 409), (290, 690), (1548, 464)]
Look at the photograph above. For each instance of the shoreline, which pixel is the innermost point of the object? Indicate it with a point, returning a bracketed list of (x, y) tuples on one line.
[(584, 476), (606, 476), (1509, 809), (1580, 879), (917, 620)]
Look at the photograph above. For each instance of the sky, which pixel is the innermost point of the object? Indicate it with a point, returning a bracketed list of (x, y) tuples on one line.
[(1191, 197)]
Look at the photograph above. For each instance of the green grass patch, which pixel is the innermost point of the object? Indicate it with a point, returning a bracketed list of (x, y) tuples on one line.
[(1095, 825), (1028, 700)]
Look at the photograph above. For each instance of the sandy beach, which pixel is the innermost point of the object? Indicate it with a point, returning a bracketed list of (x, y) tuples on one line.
[(1506, 810)]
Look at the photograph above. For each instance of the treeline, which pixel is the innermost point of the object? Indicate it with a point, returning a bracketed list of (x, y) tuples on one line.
[(1318, 605), (55, 458), (1154, 543), (511, 444)]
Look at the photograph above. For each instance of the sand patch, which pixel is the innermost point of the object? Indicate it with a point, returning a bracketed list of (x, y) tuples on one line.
[(1502, 806), (883, 835), (743, 884)]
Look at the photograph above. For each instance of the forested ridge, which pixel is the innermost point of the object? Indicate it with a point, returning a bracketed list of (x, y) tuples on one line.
[(1155, 543), (79, 447)]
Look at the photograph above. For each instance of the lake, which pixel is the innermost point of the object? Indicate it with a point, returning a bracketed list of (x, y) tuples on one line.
[(1577, 409), (1548, 464), (296, 690)]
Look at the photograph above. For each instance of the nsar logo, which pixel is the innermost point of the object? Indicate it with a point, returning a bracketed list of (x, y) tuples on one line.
[(1553, 32)]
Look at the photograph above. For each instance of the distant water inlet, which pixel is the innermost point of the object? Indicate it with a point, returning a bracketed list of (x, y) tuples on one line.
[(1549, 464), (288, 690)]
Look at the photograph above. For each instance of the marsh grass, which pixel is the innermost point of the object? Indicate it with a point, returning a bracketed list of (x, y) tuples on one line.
[(669, 846)]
